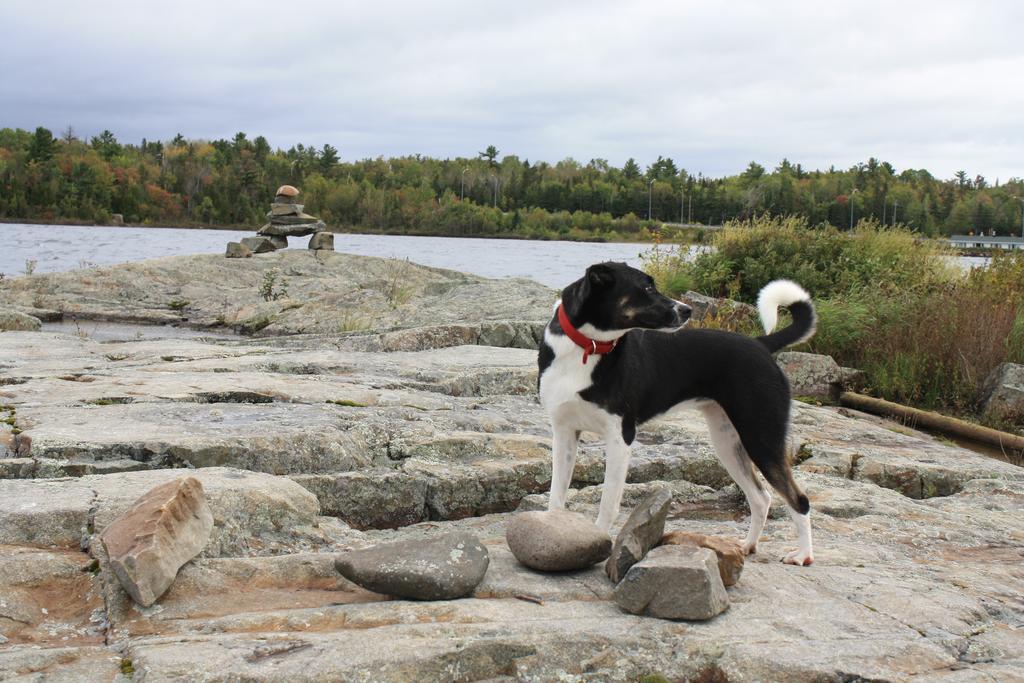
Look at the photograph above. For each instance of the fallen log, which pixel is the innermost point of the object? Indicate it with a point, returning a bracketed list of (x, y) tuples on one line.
[(915, 417)]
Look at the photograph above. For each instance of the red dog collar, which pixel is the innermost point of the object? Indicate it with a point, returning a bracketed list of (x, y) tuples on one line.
[(589, 346)]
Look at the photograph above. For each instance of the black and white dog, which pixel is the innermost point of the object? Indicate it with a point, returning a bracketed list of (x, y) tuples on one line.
[(614, 356)]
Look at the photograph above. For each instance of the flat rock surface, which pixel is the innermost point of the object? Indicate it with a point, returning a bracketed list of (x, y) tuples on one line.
[(298, 440), (252, 512), (328, 292), (445, 567)]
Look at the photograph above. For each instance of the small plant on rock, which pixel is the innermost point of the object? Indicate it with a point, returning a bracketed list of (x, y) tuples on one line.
[(270, 288)]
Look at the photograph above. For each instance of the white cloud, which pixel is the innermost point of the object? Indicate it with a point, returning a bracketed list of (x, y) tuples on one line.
[(934, 85)]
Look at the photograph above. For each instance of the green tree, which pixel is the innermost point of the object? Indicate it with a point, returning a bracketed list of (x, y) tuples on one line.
[(631, 170), (490, 154), (106, 144), (42, 146), (328, 158)]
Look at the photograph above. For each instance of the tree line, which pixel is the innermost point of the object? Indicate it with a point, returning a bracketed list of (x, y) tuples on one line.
[(230, 183)]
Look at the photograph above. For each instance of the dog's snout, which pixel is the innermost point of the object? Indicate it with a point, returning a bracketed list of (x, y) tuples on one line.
[(683, 311)]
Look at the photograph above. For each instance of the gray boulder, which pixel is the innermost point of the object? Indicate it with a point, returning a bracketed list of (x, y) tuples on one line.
[(259, 245), (556, 540), (811, 374), (279, 241), (674, 582), (447, 567), (163, 530), (726, 312), (1003, 392), (641, 532), (237, 250), (322, 241)]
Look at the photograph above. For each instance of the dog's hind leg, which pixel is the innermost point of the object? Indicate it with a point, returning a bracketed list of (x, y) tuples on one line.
[(769, 449), (737, 463), (563, 457), (616, 465), (804, 555)]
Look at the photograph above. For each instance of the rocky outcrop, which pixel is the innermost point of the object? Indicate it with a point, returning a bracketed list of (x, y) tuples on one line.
[(252, 512), (444, 567), (15, 321), (917, 558), (354, 300), (556, 540), (163, 530)]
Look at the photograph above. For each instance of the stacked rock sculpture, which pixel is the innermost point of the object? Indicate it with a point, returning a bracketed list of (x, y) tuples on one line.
[(285, 219)]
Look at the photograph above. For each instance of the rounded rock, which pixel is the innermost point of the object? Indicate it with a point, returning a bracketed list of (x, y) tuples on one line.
[(557, 540), (442, 568), (287, 191)]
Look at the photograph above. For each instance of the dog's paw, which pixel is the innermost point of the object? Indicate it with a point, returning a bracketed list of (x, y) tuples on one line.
[(749, 548), (800, 558)]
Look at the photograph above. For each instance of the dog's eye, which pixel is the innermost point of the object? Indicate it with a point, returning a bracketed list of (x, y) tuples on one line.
[(649, 289)]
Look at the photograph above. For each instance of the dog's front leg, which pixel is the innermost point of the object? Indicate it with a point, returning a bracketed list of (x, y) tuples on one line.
[(563, 459), (616, 465)]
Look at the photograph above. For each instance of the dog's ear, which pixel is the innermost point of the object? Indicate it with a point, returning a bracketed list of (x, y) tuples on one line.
[(599, 276)]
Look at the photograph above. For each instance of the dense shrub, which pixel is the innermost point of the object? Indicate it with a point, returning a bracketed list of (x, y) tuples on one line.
[(746, 256), (888, 303)]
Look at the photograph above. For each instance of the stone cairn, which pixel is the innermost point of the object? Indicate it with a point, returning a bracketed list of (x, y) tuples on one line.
[(286, 219)]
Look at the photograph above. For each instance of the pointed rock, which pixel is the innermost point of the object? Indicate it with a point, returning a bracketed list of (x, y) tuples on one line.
[(639, 534), (442, 568), (163, 530)]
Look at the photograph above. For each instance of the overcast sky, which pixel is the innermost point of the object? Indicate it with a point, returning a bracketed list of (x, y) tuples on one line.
[(936, 85)]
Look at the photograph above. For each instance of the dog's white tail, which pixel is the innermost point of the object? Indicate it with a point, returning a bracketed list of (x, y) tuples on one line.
[(778, 293)]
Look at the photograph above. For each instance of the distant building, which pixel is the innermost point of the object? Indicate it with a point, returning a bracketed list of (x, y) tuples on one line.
[(986, 242)]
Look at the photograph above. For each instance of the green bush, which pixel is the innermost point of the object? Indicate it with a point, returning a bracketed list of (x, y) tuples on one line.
[(888, 303), (826, 261)]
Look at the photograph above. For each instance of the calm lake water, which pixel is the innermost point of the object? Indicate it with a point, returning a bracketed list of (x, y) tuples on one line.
[(57, 248)]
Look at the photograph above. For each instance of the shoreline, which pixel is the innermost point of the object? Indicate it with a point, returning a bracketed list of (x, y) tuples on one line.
[(622, 239)]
